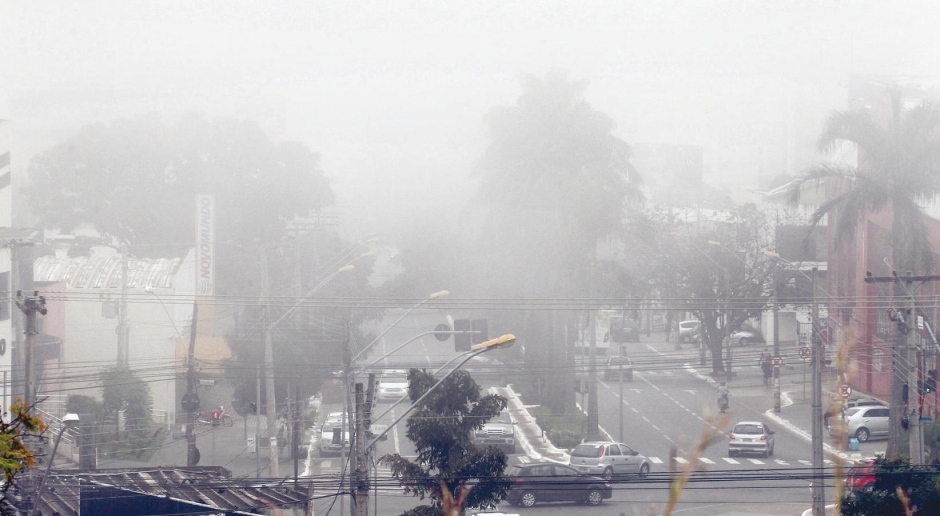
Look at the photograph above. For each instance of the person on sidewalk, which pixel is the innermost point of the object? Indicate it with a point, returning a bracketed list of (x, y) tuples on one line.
[(724, 397), (766, 368)]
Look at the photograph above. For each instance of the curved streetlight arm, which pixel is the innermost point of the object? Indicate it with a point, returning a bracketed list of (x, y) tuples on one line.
[(310, 293), (500, 342), (435, 295), (793, 267), (412, 339), (67, 422), (467, 356)]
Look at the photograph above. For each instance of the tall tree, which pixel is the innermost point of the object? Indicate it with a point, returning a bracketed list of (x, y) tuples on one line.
[(898, 169), (449, 469), (554, 182), (15, 456), (135, 180), (718, 271)]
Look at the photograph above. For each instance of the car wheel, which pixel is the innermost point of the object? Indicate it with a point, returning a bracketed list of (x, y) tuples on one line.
[(862, 434), (595, 497), (527, 499), (644, 470), (607, 474), (743, 341)]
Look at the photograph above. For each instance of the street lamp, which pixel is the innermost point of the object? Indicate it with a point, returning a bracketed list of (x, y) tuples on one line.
[(69, 421), (434, 295), (504, 341), (818, 488), (271, 415)]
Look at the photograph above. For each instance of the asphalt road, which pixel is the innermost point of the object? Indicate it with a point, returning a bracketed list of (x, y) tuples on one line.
[(666, 411)]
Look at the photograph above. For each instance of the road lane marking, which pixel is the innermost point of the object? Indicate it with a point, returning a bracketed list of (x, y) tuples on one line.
[(730, 460), (681, 460), (806, 462), (756, 461), (706, 460), (326, 464), (782, 462), (655, 460)]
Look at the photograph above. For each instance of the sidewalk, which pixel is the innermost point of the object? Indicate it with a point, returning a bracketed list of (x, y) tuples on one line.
[(796, 409)]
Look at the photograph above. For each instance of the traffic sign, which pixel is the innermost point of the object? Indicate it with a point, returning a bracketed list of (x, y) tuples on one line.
[(804, 352), (845, 390), (778, 361), (442, 332)]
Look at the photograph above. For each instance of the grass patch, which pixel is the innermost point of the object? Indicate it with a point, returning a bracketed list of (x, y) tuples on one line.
[(563, 430)]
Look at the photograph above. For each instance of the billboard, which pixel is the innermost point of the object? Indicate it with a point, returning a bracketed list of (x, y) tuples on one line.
[(205, 245)]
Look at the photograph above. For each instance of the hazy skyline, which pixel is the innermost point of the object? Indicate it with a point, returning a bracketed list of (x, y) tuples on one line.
[(393, 95)]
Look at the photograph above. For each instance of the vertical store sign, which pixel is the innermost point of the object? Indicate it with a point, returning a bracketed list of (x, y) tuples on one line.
[(205, 245)]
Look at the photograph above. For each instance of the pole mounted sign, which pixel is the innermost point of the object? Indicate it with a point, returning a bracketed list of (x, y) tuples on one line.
[(845, 390)]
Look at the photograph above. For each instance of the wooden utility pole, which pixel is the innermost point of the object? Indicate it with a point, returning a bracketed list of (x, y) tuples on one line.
[(190, 403), (31, 305), (906, 319), (271, 405)]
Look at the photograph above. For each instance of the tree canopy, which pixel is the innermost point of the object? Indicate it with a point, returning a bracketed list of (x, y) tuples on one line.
[(449, 469), (15, 455), (135, 180), (898, 169)]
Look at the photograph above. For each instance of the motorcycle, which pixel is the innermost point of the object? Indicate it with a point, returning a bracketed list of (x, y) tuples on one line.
[(215, 418), (723, 402)]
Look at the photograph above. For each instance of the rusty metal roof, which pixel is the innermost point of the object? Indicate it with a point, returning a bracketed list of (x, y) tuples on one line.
[(203, 489)]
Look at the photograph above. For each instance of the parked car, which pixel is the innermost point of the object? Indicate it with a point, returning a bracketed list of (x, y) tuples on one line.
[(393, 384), (618, 367), (861, 476), (500, 431), (865, 422), (608, 459), (751, 437), (837, 405), (539, 482), (745, 337), (689, 330)]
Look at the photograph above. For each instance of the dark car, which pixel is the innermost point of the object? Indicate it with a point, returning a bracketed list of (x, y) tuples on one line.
[(540, 482), (618, 367)]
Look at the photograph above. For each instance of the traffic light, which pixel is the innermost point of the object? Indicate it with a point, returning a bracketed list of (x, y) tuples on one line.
[(930, 385), (469, 332)]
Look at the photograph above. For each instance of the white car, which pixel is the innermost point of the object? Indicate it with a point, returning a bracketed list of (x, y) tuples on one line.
[(392, 386)]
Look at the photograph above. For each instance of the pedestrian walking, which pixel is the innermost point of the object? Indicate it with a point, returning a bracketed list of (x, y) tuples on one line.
[(766, 368)]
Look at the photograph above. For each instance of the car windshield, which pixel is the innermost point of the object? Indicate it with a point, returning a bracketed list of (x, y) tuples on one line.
[(502, 417), (586, 450), (513, 471), (748, 429)]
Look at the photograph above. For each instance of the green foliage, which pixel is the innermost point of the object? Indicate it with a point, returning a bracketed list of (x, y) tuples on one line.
[(135, 179), (716, 278), (14, 454), (123, 391), (447, 462), (918, 485), (563, 430), (81, 404)]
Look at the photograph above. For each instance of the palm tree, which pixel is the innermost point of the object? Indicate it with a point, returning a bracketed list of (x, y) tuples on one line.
[(897, 172)]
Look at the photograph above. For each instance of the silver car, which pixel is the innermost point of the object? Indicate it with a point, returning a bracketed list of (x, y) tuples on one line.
[(865, 422), (751, 437), (606, 459)]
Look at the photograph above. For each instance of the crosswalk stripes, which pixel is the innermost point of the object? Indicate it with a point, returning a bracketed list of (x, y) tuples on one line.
[(756, 461), (806, 462), (729, 460), (706, 460), (681, 460), (655, 460), (737, 462), (782, 462)]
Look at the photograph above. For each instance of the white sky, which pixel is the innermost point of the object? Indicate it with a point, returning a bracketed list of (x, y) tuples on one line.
[(393, 94)]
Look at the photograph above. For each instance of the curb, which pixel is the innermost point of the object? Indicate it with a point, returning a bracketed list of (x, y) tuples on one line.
[(513, 399)]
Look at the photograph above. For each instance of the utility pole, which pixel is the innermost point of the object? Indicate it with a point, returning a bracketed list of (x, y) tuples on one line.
[(776, 360), (30, 305), (360, 482), (123, 330), (906, 319), (819, 493), (271, 405), (190, 403)]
